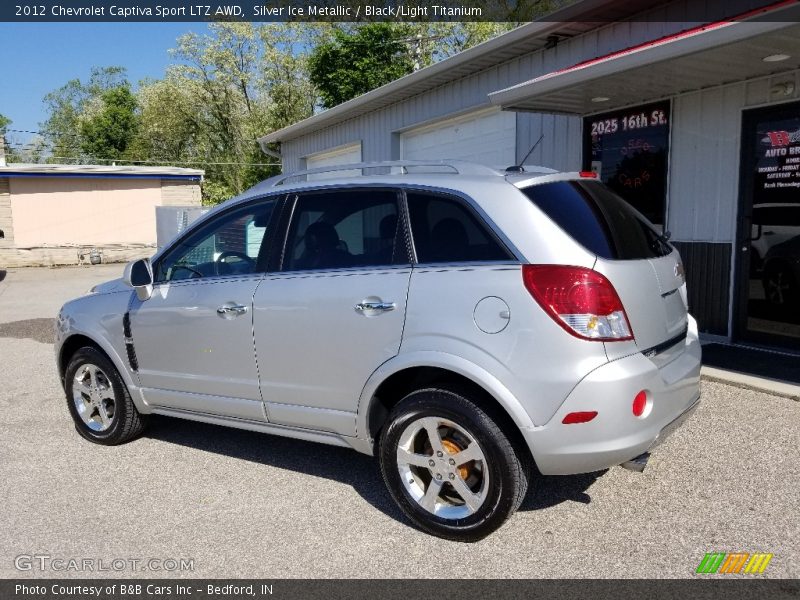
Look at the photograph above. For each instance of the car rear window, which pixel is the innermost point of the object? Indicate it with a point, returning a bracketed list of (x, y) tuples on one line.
[(599, 220)]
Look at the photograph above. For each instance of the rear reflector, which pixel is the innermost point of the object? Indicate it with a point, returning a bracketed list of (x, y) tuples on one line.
[(591, 174), (582, 301), (579, 417), (639, 404)]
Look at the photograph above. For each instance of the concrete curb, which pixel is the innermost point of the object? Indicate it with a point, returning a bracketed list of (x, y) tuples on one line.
[(750, 382)]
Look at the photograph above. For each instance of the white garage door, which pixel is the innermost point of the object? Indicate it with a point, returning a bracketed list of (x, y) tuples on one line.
[(485, 137), (343, 155)]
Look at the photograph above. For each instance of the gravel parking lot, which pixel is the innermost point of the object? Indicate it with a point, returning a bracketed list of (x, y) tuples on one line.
[(242, 504)]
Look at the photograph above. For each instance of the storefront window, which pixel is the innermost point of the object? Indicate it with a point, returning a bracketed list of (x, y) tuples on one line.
[(770, 226), (629, 149)]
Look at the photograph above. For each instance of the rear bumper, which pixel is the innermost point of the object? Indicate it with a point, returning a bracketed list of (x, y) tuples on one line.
[(615, 435)]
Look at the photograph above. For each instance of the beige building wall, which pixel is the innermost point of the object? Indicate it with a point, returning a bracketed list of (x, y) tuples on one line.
[(58, 220), (62, 211)]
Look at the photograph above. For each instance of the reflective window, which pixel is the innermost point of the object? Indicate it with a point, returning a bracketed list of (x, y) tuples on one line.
[(229, 244), (343, 228), (598, 219), (445, 230)]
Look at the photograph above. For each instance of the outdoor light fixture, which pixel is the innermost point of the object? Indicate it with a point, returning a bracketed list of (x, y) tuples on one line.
[(601, 99), (775, 58), (786, 88)]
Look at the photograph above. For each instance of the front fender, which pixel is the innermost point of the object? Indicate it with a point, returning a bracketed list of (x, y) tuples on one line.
[(99, 318), (442, 360)]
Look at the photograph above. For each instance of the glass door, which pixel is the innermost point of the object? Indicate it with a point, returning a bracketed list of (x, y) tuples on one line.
[(768, 299)]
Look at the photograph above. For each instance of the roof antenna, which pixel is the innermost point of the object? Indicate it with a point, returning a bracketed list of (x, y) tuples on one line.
[(518, 168)]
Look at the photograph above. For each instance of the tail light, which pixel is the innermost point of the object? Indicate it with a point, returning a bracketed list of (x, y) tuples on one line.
[(582, 301)]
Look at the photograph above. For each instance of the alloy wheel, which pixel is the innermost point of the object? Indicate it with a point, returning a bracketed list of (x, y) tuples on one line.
[(94, 397), (442, 467)]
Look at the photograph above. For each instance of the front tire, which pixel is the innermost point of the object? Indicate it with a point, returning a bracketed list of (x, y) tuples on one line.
[(98, 400), (449, 466)]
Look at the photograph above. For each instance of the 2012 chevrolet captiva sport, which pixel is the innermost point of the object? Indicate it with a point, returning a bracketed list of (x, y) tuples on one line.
[(473, 328)]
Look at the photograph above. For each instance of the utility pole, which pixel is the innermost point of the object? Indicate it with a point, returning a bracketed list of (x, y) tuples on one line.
[(416, 52)]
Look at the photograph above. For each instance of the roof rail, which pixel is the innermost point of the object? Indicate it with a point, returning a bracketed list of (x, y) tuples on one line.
[(458, 166)]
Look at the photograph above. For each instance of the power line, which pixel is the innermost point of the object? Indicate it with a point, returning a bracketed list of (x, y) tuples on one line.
[(161, 162), (25, 131), (34, 146)]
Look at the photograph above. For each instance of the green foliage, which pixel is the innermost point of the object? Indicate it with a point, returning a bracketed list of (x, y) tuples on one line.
[(4, 123), (228, 88), (107, 131), (70, 103), (355, 62)]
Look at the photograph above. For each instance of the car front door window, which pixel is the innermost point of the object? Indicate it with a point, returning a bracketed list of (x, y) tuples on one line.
[(231, 244)]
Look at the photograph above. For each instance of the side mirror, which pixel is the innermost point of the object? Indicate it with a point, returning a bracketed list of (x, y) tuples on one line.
[(139, 275)]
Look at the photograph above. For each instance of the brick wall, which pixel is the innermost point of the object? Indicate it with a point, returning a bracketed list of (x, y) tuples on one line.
[(180, 193), (5, 215)]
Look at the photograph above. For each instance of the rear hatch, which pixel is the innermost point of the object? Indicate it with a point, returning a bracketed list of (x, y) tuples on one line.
[(643, 267)]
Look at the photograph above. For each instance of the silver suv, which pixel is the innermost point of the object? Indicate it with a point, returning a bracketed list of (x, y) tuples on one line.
[(472, 328)]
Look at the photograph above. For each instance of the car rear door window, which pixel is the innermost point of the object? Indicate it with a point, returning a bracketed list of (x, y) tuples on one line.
[(345, 229), (446, 230), (599, 220)]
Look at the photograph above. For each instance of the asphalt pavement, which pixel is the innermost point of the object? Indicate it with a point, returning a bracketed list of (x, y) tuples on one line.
[(242, 504)]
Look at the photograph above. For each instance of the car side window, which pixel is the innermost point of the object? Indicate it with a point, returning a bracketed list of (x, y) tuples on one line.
[(345, 228), (445, 230), (229, 244)]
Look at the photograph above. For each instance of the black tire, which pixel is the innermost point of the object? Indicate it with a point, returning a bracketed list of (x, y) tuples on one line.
[(508, 470), (124, 423)]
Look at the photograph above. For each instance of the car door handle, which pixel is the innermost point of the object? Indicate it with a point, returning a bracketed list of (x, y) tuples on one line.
[(231, 310), (379, 306)]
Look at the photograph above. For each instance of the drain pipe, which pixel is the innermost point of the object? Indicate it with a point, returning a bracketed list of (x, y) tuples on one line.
[(269, 152)]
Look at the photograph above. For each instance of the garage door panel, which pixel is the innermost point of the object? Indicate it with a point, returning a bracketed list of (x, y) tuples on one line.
[(341, 156), (485, 138)]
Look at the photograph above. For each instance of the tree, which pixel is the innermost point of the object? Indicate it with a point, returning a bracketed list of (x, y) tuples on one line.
[(284, 70), (355, 62), (4, 123), (67, 105), (221, 107), (231, 86), (108, 128)]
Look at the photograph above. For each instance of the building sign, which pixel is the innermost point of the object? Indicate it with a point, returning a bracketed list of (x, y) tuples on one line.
[(629, 149), (777, 176)]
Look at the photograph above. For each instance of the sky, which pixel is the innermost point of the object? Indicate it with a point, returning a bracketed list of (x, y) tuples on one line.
[(40, 57)]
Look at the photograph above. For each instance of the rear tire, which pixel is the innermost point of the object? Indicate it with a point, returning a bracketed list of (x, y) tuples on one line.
[(98, 400), (449, 466)]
